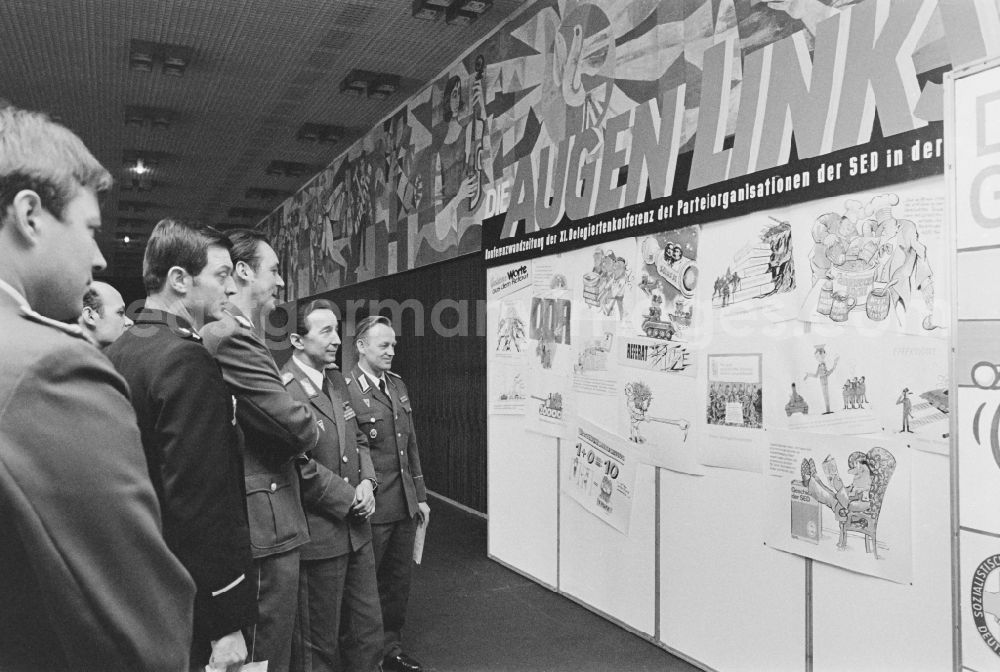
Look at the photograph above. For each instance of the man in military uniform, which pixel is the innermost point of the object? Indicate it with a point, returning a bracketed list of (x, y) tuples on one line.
[(384, 413), (188, 425), (339, 590), (103, 318), (276, 429), (88, 582)]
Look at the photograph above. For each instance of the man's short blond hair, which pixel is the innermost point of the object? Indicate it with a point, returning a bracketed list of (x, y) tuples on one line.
[(38, 154)]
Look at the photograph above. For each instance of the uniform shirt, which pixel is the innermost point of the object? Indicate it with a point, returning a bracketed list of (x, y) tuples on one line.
[(387, 421), (87, 580), (276, 429), (192, 444), (341, 461)]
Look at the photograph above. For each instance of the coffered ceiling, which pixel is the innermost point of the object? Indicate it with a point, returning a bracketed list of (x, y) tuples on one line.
[(256, 71)]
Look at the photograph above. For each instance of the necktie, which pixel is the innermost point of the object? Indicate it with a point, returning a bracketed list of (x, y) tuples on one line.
[(326, 386), (381, 386)]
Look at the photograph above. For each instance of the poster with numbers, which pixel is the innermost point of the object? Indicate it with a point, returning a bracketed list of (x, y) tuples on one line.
[(601, 475)]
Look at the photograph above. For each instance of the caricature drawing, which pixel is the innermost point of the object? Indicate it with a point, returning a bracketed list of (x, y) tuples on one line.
[(638, 397), (823, 374)]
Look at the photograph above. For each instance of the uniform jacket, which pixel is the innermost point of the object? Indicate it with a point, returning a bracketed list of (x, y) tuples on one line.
[(276, 428), (86, 577), (187, 421), (388, 423), (343, 450)]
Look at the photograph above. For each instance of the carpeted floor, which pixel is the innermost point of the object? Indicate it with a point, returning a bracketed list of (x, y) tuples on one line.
[(470, 614)]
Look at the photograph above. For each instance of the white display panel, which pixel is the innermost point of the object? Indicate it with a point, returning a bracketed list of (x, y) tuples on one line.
[(726, 600), (523, 491), (861, 623), (604, 568)]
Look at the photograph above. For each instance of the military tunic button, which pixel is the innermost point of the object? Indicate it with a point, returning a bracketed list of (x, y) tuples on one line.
[(398, 434), (274, 486), (345, 458), (346, 479), (373, 419), (400, 452)]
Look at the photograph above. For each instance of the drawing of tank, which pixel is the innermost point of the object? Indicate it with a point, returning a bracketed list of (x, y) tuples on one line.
[(656, 328), (796, 404), (550, 407)]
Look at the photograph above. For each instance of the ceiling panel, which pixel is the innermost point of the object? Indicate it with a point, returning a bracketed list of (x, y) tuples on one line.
[(259, 70)]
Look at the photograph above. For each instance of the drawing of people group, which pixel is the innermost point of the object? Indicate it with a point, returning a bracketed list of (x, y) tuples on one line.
[(855, 393), (763, 268), (605, 286), (749, 397), (725, 286)]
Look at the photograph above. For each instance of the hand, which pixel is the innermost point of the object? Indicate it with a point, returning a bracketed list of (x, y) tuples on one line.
[(364, 499), (423, 513), (228, 650), (477, 97), (469, 186)]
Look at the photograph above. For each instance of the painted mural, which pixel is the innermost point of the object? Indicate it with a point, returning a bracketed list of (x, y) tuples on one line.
[(578, 108)]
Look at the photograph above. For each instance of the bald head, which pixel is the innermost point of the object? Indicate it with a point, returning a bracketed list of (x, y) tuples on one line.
[(103, 314)]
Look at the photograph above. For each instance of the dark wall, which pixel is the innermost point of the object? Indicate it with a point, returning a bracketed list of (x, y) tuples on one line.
[(439, 313)]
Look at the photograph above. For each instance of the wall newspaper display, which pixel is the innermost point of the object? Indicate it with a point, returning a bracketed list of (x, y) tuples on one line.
[(743, 203)]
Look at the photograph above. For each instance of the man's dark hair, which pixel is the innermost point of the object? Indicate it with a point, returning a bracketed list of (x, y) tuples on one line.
[(178, 243), (301, 328), (93, 301), (40, 155), (246, 246), (367, 324)]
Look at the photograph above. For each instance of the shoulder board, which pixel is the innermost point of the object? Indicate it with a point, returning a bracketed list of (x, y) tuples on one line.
[(70, 329), (287, 377), (186, 334), (243, 322), (394, 374)]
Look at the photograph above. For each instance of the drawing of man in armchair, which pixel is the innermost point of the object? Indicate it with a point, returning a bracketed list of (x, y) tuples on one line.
[(856, 506)]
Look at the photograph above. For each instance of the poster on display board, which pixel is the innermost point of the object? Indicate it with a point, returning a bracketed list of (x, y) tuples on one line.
[(877, 260), (979, 599), (731, 432), (507, 314), (910, 394), (823, 385), (844, 501), (595, 371), (657, 338), (550, 351), (657, 413), (601, 476), (753, 267), (977, 385), (604, 279)]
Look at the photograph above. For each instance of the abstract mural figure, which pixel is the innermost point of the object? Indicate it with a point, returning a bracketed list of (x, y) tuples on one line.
[(583, 66)]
